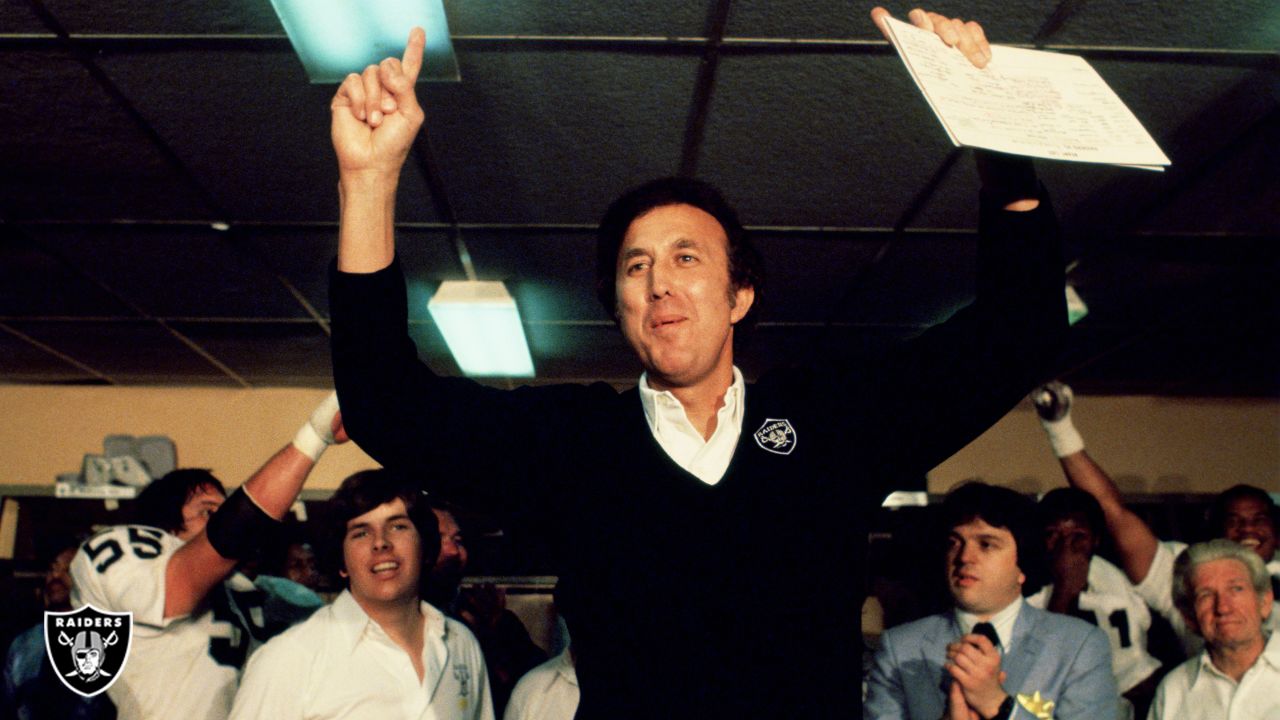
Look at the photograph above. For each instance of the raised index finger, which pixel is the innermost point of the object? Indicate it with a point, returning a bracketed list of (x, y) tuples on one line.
[(411, 63)]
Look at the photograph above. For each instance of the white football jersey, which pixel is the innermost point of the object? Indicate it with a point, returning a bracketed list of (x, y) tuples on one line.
[(1119, 611), (182, 667)]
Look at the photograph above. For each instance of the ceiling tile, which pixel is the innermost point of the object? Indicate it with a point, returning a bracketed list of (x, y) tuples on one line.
[(267, 354), (34, 283), (97, 164), (16, 17), (174, 17), (141, 353), (302, 257), (23, 362), (660, 18), (819, 140), (258, 139), (1238, 24), (176, 271), (552, 137)]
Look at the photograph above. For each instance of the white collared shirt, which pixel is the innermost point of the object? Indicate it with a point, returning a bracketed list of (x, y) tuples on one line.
[(1003, 621), (706, 460), (1196, 690), (342, 664), (547, 692)]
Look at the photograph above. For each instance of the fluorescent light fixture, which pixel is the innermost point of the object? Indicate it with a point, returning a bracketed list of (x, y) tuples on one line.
[(337, 37), (481, 326), (904, 498), (1076, 309)]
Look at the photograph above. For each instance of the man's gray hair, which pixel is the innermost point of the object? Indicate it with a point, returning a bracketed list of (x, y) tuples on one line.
[(1201, 553)]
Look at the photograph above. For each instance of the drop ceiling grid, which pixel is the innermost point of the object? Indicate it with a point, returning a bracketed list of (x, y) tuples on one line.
[(819, 140), (21, 361), (170, 272), (34, 283), (552, 137), (248, 125), (141, 353), (268, 353), (71, 153)]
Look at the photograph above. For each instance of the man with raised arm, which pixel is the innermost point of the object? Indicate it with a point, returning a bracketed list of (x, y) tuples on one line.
[(665, 503), (167, 569), (1243, 514)]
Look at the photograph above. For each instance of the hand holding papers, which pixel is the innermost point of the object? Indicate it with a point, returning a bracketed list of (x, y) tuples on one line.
[(1024, 102)]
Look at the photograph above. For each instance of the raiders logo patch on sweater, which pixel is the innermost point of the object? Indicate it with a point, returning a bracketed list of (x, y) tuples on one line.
[(776, 436)]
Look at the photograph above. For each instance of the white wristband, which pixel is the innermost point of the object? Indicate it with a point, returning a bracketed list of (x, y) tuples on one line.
[(309, 442), (1063, 437), (317, 433)]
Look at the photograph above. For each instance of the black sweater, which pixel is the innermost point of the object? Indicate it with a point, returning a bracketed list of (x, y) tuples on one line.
[(740, 599)]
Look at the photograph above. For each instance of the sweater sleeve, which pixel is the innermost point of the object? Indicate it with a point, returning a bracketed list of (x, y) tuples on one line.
[(940, 390), (485, 447)]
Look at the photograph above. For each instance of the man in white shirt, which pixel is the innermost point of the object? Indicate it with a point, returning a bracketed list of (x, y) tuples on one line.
[(993, 657), (1223, 590), (378, 650), (547, 692), (1244, 514)]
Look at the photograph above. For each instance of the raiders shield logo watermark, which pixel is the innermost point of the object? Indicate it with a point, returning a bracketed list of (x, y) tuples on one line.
[(88, 647), (776, 436)]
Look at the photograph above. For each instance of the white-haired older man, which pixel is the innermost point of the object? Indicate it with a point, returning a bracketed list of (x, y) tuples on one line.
[(1223, 590)]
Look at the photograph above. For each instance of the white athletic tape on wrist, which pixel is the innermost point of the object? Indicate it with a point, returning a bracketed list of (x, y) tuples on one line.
[(316, 435), (1063, 437), (309, 442)]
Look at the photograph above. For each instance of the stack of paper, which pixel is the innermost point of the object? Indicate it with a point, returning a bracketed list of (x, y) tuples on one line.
[(1025, 102)]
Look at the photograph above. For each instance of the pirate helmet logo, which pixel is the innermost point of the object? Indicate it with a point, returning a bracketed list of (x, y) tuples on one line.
[(88, 647), (777, 436)]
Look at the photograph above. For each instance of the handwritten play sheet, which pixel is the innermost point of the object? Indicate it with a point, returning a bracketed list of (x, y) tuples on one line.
[(1026, 102)]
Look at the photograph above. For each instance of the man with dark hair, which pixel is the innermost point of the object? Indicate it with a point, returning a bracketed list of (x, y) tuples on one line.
[(993, 656), (664, 502), (189, 640), (509, 652), (1224, 592), (379, 650), (1243, 514), (1086, 586)]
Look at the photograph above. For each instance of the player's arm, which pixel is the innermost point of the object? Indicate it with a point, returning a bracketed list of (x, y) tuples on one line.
[(1135, 543), (248, 513)]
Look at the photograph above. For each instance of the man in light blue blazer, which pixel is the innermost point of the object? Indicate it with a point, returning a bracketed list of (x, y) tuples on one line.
[(992, 656)]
